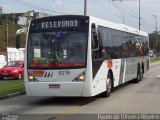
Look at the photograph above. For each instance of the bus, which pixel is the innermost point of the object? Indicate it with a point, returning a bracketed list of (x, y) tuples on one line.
[(74, 55)]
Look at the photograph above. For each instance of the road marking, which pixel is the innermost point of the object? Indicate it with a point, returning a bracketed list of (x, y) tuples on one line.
[(76, 107), (70, 110), (67, 112)]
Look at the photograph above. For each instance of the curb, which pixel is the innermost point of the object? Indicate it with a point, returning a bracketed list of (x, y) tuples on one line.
[(13, 95)]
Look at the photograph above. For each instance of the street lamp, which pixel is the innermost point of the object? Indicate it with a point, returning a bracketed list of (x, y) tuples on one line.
[(156, 30)]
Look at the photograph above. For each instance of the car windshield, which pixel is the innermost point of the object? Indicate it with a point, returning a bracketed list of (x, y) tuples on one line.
[(57, 49), (13, 64)]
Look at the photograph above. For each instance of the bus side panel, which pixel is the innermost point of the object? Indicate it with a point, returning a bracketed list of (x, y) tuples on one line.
[(101, 75), (118, 70), (130, 70)]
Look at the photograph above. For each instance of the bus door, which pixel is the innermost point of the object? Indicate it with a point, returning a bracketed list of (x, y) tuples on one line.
[(96, 51)]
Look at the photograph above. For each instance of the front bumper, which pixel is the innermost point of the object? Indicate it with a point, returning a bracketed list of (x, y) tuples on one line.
[(65, 89)]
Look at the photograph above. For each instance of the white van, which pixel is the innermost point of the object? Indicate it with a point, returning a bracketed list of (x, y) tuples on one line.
[(2, 61)]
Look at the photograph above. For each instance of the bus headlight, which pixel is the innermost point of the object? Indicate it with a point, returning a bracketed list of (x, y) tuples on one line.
[(80, 77), (32, 79)]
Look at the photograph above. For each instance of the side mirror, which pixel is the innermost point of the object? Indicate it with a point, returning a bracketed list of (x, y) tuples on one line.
[(94, 37), (17, 41), (93, 26)]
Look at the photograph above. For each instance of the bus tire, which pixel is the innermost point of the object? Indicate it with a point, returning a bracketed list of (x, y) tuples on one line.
[(139, 74), (109, 86)]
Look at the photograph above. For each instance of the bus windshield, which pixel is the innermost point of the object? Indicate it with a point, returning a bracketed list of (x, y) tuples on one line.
[(57, 49)]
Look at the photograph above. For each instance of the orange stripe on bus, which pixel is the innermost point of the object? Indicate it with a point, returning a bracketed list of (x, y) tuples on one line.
[(38, 73), (109, 63)]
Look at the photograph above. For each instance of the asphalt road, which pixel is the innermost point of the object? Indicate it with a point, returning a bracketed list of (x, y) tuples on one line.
[(130, 98)]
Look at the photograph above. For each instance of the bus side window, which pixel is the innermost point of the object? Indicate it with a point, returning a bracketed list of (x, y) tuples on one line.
[(96, 49)]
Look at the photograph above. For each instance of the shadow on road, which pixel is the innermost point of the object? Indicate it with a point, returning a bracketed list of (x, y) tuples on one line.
[(64, 101)]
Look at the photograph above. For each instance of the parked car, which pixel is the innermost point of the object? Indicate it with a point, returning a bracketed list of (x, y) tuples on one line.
[(14, 69)]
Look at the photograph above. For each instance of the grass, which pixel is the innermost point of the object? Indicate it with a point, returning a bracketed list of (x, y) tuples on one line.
[(155, 59), (11, 86)]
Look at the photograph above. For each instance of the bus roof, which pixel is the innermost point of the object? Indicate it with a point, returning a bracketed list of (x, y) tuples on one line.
[(105, 23), (116, 26)]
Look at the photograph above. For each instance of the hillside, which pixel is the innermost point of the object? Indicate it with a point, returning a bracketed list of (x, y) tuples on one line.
[(11, 36)]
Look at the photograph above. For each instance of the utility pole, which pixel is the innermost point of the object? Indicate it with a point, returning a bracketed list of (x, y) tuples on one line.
[(156, 31), (6, 32), (85, 7), (139, 15)]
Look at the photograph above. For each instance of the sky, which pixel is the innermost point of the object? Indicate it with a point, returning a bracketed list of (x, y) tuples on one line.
[(126, 12)]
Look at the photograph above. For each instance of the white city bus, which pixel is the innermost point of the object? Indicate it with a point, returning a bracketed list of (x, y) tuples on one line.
[(73, 55)]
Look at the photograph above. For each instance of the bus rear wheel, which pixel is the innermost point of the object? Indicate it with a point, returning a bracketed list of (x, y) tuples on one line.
[(139, 74)]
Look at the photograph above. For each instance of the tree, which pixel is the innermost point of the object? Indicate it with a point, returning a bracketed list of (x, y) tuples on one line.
[(152, 41)]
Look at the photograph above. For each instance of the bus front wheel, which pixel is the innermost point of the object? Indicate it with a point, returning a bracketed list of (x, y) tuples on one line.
[(109, 86)]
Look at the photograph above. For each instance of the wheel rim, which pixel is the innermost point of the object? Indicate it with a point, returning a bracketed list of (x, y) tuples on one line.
[(109, 86)]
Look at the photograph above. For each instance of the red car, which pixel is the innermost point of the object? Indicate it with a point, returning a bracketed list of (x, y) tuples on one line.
[(14, 69)]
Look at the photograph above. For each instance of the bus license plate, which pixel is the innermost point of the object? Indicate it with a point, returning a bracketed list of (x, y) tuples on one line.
[(54, 86)]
